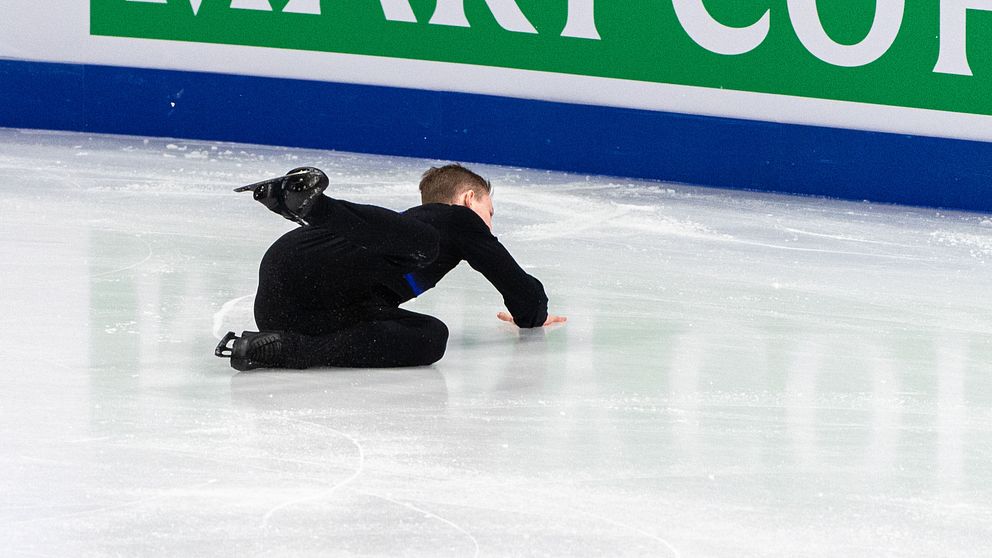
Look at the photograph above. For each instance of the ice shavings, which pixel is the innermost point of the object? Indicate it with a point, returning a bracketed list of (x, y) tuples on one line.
[(980, 246)]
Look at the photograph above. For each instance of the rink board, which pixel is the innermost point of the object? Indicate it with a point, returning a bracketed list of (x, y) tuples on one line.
[(885, 101), (722, 152)]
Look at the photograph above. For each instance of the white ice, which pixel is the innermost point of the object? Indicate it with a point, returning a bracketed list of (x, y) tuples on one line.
[(741, 374)]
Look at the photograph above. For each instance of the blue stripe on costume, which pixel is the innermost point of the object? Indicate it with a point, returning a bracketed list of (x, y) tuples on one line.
[(417, 290)]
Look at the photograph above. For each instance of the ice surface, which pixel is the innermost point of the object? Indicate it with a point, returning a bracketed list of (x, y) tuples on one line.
[(741, 375)]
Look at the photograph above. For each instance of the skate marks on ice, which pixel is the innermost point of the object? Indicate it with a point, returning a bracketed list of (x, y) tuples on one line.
[(170, 493), (431, 515), (668, 545), (565, 212), (314, 380), (563, 215), (148, 256), (374, 401), (359, 469)]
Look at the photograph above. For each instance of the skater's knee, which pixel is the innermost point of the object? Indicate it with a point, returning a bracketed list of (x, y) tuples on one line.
[(436, 342)]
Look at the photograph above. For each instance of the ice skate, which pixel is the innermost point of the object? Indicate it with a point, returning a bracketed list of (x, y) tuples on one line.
[(292, 195), (252, 350)]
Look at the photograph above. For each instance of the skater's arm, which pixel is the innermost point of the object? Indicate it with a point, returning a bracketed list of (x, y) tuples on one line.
[(552, 320), (523, 294)]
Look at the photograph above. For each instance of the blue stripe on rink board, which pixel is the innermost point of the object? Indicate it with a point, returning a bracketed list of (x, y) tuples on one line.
[(709, 151)]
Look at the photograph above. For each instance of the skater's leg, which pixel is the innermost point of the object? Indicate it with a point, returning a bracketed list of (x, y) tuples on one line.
[(384, 338), (391, 338)]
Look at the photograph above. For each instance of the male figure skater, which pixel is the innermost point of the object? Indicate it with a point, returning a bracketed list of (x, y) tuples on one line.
[(329, 292)]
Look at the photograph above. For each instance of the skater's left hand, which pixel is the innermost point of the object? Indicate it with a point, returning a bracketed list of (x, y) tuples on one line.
[(506, 317)]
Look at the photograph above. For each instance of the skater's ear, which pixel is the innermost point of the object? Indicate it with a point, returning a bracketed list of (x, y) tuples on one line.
[(466, 198), (480, 204)]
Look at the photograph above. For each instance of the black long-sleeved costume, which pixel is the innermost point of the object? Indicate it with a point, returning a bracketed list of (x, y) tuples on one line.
[(464, 237), (334, 287)]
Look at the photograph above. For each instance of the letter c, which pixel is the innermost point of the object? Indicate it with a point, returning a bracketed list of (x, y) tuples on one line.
[(715, 36)]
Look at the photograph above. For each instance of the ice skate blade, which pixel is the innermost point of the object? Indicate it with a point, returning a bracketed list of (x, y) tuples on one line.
[(222, 350)]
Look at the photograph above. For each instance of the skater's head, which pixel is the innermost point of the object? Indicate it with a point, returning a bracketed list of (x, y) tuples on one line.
[(456, 185)]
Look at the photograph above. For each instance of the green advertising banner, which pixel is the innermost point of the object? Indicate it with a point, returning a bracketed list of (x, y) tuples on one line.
[(928, 55)]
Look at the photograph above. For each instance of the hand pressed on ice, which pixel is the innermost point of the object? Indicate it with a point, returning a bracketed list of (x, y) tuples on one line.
[(506, 317)]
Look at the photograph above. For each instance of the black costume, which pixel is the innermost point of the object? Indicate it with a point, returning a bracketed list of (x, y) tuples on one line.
[(334, 287)]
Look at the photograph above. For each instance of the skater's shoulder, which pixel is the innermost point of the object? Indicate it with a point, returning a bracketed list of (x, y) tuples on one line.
[(442, 214), (427, 209)]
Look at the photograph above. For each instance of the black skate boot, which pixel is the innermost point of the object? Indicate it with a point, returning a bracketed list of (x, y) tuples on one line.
[(292, 195), (252, 350)]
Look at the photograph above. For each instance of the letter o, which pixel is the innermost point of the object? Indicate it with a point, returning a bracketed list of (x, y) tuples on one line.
[(884, 30)]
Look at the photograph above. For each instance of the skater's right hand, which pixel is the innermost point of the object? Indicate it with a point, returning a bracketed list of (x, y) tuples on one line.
[(552, 320)]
